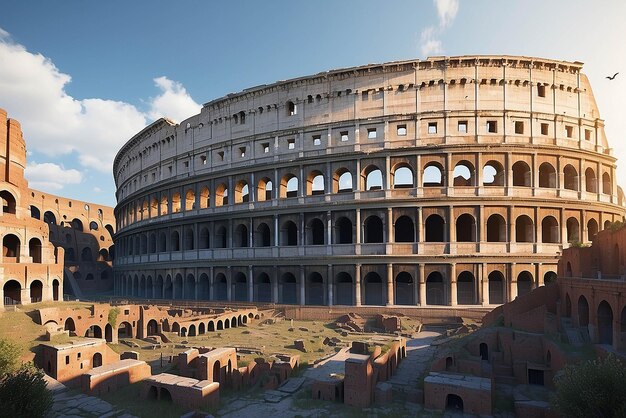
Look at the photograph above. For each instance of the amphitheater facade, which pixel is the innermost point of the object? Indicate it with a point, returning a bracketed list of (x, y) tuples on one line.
[(445, 181)]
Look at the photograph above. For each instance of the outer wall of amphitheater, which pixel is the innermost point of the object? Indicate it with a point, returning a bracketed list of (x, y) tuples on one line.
[(448, 181)]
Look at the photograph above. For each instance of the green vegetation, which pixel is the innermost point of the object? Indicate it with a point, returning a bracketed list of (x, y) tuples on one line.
[(23, 390), (112, 318), (592, 389), (578, 244)]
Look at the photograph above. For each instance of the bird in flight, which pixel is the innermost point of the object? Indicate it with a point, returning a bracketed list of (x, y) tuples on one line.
[(611, 78)]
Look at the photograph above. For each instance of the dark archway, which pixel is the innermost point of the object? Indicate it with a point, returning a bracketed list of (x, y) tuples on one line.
[(404, 229), (263, 288), (496, 288), (583, 312), (605, 323), (435, 229), (466, 288), (496, 229), (373, 289), (289, 286), (435, 291), (12, 293), (484, 351), (466, 228), (316, 232), (97, 360), (55, 290), (343, 231), (373, 230), (405, 289), (36, 291), (454, 403), (344, 289), (240, 287), (220, 287), (524, 283), (315, 289)]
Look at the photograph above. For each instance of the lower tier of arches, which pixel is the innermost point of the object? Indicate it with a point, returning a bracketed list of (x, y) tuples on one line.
[(420, 284)]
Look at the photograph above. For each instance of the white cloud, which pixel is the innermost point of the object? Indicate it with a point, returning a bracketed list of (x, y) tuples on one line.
[(32, 90), (429, 44), (447, 10), (174, 102), (49, 176)]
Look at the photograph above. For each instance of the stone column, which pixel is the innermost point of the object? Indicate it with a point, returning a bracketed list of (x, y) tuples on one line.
[(276, 231), (302, 286), (250, 284), (453, 295), (211, 289), (229, 283), (484, 281), (357, 285), (422, 285), (390, 293), (329, 283), (275, 286)]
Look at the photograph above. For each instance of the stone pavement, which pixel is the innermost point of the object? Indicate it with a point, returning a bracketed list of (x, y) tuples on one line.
[(77, 405), (419, 353)]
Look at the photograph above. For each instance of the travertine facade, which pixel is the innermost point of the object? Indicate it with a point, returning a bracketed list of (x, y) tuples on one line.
[(40, 231), (452, 180)]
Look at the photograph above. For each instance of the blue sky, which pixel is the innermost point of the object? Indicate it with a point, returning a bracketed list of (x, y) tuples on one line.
[(84, 76)]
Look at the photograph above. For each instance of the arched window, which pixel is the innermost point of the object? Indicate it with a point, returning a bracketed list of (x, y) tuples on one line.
[(403, 177), (435, 292), (288, 292), (35, 212), (524, 229), (493, 174), (315, 232), (607, 187), (11, 247), (592, 229), (262, 238), (466, 228), (190, 200), (570, 177), (34, 249), (204, 238), (154, 208), (289, 234), (49, 218), (404, 229), (405, 289), (464, 174), (176, 202), (77, 224), (573, 230), (524, 283), (373, 289), (373, 230), (188, 239), (433, 176), (343, 231), (174, 241), (373, 178), (522, 176), (549, 230), (205, 201), (314, 289), (466, 288), (315, 183), (86, 255), (292, 108), (164, 205), (435, 229), (496, 287), (496, 229), (591, 181), (547, 176), (342, 181), (345, 289), (8, 202), (242, 194), (221, 195), (289, 186), (241, 236), (264, 189), (221, 237)]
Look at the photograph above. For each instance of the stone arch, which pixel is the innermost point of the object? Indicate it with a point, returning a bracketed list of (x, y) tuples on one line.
[(96, 361), (12, 292), (262, 237), (55, 290), (152, 328), (8, 202), (433, 175), (343, 231), (162, 242), (211, 326), (192, 330), (263, 287), (404, 229), (605, 323), (573, 230), (373, 178), (496, 228), (454, 402), (240, 239), (108, 333), (549, 230), (434, 229), (493, 174), (177, 287), (403, 177), (11, 248), (168, 288), (158, 287), (607, 187), (190, 287), (466, 228), (203, 287), (240, 287), (549, 277), (373, 230), (242, 192), (188, 238), (524, 283), (592, 229), (522, 176), (204, 241), (190, 199), (94, 331), (568, 305), (344, 289), (483, 350), (35, 212), (315, 183), (466, 288), (221, 237), (174, 241), (124, 330), (315, 232), (205, 198), (289, 186), (314, 291), (342, 181), (221, 195), (547, 176), (373, 289), (176, 202), (524, 229), (49, 218), (34, 249), (289, 234), (69, 325), (496, 287), (435, 291), (264, 189), (164, 205), (591, 181), (221, 287), (288, 289), (405, 289), (464, 174), (570, 177)]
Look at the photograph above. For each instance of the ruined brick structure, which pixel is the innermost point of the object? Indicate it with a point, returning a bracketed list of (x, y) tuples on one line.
[(445, 181), (47, 239)]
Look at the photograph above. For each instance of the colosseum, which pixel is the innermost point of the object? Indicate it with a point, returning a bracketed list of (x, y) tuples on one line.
[(445, 181)]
